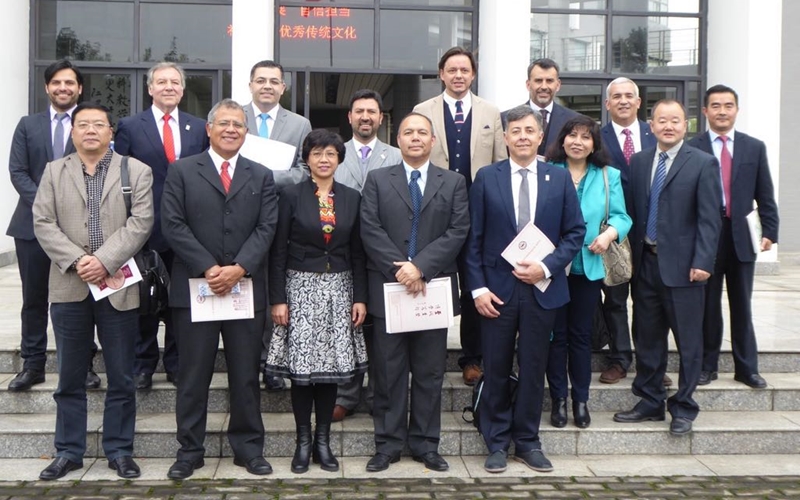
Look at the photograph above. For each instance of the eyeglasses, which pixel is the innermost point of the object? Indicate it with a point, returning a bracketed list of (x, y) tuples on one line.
[(84, 126), (260, 82), (327, 154), (230, 123)]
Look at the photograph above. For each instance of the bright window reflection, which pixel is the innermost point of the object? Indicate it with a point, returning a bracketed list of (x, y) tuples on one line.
[(575, 41), (656, 45)]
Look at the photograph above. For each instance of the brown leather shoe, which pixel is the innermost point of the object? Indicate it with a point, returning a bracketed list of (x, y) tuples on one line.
[(667, 381), (340, 412), (471, 374), (613, 374)]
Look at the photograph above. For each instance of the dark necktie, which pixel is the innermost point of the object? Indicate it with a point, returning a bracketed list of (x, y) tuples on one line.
[(655, 192), (169, 141), (725, 163), (544, 113), (364, 158), (225, 176), (459, 118), (524, 204), (416, 204), (627, 148), (58, 136)]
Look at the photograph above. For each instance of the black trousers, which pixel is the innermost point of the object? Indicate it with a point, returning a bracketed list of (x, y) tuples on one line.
[(615, 310), (147, 353), (470, 326)]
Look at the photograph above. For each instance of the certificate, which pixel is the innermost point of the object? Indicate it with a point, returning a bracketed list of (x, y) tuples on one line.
[(206, 306), (754, 226), (274, 155), (125, 276), (406, 313), (530, 244)]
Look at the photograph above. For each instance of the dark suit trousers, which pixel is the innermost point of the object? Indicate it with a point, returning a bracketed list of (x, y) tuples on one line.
[(423, 355), (615, 310), (738, 277), (147, 345), (349, 393), (197, 345), (657, 309), (74, 325), (501, 423), (470, 326), (34, 272)]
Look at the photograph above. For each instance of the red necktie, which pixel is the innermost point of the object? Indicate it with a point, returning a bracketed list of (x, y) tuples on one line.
[(225, 177), (627, 148), (725, 162), (169, 141)]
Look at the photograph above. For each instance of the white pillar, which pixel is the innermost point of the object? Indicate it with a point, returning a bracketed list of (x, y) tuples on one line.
[(253, 41), (504, 52)]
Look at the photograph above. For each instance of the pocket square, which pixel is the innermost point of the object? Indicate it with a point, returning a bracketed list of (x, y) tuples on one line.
[(486, 126)]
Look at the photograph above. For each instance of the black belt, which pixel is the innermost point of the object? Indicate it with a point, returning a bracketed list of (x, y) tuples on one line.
[(653, 249)]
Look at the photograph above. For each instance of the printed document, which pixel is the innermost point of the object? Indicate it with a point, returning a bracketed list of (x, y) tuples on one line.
[(206, 306), (530, 244), (125, 276), (274, 155), (406, 313)]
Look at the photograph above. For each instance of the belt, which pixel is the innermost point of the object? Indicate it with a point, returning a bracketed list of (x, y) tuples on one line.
[(653, 249)]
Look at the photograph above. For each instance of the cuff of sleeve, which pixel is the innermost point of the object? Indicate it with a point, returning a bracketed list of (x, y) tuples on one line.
[(478, 292), (547, 273)]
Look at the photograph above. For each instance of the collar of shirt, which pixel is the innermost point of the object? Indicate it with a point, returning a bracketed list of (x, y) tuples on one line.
[(671, 154), (466, 103), (712, 136), (423, 174), (102, 165), (371, 145), (548, 108), (217, 159), (160, 116), (635, 135), (53, 114), (516, 167), (273, 113)]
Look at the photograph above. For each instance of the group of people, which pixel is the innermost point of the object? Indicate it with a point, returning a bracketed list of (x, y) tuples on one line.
[(319, 242)]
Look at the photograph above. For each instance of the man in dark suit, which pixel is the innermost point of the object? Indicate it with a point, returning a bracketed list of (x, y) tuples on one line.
[(414, 220), (745, 178), (158, 136), (219, 212), (676, 222), (503, 199), (543, 84), (623, 136), (39, 139)]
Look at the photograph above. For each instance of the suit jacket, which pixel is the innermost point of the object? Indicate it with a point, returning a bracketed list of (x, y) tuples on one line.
[(60, 221), (494, 226), (289, 128), (386, 214), (750, 180), (611, 143), (349, 172), (300, 244), (558, 117), (206, 227), (689, 219), (486, 143), (31, 150), (138, 136)]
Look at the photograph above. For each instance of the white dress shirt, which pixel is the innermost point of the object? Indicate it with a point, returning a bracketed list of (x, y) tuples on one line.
[(174, 124), (371, 145), (67, 124), (423, 173), (466, 104), (716, 147), (272, 115), (636, 135), (217, 159)]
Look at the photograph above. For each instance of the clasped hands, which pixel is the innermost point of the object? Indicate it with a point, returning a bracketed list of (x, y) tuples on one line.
[(221, 279), (410, 276), (90, 269)]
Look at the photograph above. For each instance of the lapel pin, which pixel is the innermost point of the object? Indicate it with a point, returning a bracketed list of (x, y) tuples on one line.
[(547, 178), (188, 127), (383, 156)]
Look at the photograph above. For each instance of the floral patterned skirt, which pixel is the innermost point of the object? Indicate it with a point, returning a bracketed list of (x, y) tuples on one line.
[(320, 345)]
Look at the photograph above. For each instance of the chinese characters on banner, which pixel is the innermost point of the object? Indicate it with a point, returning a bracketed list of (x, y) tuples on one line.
[(311, 30)]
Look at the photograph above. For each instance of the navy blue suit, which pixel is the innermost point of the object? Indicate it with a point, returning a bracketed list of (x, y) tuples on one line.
[(750, 180), (525, 309)]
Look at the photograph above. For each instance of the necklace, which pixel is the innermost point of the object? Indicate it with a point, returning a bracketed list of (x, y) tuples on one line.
[(578, 181)]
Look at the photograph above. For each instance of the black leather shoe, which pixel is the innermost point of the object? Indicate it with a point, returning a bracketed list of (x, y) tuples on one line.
[(755, 380), (172, 378), (92, 380), (183, 469), (25, 380), (535, 460), (273, 383), (707, 377), (256, 465), (496, 462), (143, 380), (635, 415), (580, 414), (321, 453), (302, 452), (59, 468), (680, 426), (433, 461), (125, 466), (381, 461), (558, 415)]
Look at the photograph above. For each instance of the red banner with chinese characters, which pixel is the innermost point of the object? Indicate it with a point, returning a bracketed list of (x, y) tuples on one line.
[(316, 24)]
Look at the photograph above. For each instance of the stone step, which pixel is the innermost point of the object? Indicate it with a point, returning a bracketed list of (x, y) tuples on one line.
[(724, 394), (715, 433)]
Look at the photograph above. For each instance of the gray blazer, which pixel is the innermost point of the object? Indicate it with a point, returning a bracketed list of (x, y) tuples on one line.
[(289, 128), (349, 172), (60, 219)]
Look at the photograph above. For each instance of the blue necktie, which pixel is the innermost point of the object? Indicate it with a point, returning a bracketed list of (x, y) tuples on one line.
[(655, 193), (263, 130), (416, 204)]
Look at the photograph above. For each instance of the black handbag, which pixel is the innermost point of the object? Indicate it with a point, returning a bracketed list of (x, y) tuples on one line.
[(154, 287)]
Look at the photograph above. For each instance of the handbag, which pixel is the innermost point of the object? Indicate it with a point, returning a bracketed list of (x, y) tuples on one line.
[(154, 287), (617, 260)]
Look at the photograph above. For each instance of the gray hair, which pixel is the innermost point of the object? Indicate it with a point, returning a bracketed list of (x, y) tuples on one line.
[(226, 103), (521, 112), (164, 65), (619, 80)]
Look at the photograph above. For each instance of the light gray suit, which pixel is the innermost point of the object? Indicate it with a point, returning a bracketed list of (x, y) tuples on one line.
[(350, 172), (289, 128)]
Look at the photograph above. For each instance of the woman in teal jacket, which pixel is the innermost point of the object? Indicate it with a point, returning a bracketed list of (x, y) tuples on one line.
[(580, 150)]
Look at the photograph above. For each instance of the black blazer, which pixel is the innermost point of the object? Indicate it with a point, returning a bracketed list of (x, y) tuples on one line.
[(299, 242), (204, 226), (31, 150), (751, 180)]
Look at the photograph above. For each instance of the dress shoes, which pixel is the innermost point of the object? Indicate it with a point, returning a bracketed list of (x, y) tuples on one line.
[(680, 426), (340, 412), (432, 461), (471, 374), (755, 380), (633, 416), (613, 374), (92, 380), (256, 465), (580, 414), (707, 377), (534, 460), (59, 468), (381, 461), (496, 462), (558, 415), (667, 381), (172, 378), (143, 380), (183, 469), (25, 380), (273, 383), (125, 466)]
